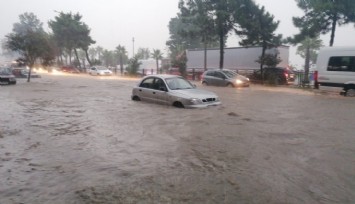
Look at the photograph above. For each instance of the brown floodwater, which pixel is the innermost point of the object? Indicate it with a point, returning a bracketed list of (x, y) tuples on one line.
[(80, 139)]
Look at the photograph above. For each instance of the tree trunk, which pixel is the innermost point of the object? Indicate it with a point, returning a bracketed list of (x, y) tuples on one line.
[(121, 65), (77, 57), (334, 25), (205, 56), (157, 62), (87, 57), (262, 61), (306, 67), (221, 50)]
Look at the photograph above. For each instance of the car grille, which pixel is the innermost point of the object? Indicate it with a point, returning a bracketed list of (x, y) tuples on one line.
[(207, 100)]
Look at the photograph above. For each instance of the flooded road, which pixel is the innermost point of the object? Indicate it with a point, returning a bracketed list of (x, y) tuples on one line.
[(80, 139)]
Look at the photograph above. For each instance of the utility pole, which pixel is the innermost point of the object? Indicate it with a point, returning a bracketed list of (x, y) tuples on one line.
[(133, 46)]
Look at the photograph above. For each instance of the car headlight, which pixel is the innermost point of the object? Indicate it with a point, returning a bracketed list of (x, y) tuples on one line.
[(195, 101), (238, 81)]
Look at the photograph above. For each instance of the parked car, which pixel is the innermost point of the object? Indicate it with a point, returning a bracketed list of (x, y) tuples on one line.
[(173, 90), (70, 69), (224, 78), (23, 73), (6, 76), (100, 71), (274, 75)]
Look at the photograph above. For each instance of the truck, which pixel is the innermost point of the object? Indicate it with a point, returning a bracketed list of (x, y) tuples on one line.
[(235, 58)]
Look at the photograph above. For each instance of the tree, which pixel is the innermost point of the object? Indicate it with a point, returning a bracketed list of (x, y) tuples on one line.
[(312, 45), (30, 41), (323, 16), (223, 19), (308, 51), (199, 24), (157, 55), (143, 53), (133, 66), (122, 54), (257, 28), (71, 33)]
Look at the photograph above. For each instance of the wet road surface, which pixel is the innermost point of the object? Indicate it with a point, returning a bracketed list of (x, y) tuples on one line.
[(80, 139)]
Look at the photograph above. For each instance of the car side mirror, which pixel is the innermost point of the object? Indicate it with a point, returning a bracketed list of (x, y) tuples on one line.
[(163, 88)]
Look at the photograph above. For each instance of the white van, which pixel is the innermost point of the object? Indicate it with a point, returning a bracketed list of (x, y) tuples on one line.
[(336, 68)]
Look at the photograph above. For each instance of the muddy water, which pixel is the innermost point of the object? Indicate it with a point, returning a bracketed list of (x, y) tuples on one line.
[(80, 139)]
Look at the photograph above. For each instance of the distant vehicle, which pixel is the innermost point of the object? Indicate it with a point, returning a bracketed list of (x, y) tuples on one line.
[(173, 90), (277, 75), (235, 58), (6, 77), (336, 68), (100, 71), (70, 69), (224, 78), (23, 73)]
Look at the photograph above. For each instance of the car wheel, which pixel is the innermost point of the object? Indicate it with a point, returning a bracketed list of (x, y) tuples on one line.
[(136, 98), (350, 92), (230, 85), (178, 104), (204, 83)]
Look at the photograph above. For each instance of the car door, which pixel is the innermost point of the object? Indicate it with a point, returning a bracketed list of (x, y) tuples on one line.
[(212, 80), (160, 91), (145, 89), (220, 79)]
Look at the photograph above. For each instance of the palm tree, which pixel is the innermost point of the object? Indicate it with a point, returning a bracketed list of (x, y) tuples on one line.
[(157, 55), (99, 52), (121, 52)]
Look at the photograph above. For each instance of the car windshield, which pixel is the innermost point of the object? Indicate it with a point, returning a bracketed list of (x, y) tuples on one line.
[(229, 74), (176, 83), (5, 71)]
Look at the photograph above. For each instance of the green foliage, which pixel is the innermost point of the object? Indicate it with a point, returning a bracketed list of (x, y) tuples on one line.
[(143, 53), (322, 16), (30, 41), (71, 33), (270, 60), (157, 55), (122, 56), (133, 66), (313, 44), (257, 28)]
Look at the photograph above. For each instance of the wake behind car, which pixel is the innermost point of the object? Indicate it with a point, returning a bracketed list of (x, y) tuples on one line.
[(173, 90), (23, 73), (224, 78), (100, 71), (6, 76), (70, 69)]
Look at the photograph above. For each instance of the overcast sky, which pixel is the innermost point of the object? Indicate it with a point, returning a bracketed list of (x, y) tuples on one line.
[(115, 22)]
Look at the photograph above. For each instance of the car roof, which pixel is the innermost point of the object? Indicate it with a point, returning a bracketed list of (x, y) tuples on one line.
[(163, 76)]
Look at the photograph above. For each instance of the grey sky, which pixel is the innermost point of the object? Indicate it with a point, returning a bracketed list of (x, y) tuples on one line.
[(114, 22)]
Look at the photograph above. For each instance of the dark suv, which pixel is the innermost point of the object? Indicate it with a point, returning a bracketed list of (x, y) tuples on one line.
[(274, 75)]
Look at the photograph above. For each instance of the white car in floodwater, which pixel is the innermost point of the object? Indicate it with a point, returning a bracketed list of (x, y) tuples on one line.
[(100, 71), (173, 90)]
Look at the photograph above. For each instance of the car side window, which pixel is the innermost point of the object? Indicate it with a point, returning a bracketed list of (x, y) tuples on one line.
[(158, 84), (342, 63), (147, 83), (219, 75), (210, 73)]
